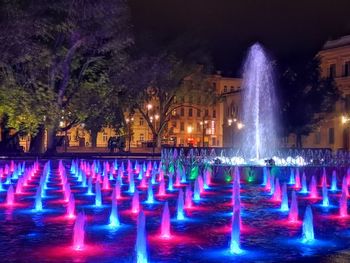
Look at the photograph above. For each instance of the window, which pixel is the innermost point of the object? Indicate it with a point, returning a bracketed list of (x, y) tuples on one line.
[(214, 86), (232, 88), (182, 126), (332, 71), (198, 113), (173, 124), (199, 99), (190, 112), (331, 136), (225, 89), (142, 137), (317, 137), (213, 141), (141, 122), (182, 99), (182, 112), (206, 113), (190, 99), (175, 99), (346, 69), (214, 113), (199, 127), (104, 137)]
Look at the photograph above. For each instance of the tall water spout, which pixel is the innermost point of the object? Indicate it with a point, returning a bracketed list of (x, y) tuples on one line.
[(117, 188), (259, 106), (89, 190), (165, 227), (161, 190), (345, 189), (284, 204), (294, 211), (141, 242), (180, 206), (235, 234), (114, 218), (79, 232), (308, 226), (291, 177), (297, 180), (277, 193)]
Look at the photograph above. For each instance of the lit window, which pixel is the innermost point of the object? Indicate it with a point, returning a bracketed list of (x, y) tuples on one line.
[(190, 113), (141, 121), (142, 137)]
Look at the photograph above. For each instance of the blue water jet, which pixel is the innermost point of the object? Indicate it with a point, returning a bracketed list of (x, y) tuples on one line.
[(196, 191), (308, 226), (284, 204), (141, 242), (334, 182), (235, 234), (150, 196), (180, 206), (98, 195), (114, 218)]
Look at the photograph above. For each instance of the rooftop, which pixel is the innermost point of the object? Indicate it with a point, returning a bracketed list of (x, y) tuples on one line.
[(340, 42)]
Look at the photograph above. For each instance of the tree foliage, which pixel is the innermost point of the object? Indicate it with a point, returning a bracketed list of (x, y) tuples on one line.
[(306, 97)]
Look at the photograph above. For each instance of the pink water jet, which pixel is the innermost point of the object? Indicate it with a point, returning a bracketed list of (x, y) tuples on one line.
[(343, 205), (161, 190), (293, 212), (268, 182), (344, 188), (165, 225), (71, 206), (10, 197), (105, 185), (135, 203), (297, 180), (277, 195), (79, 232), (117, 189), (313, 188), (188, 197)]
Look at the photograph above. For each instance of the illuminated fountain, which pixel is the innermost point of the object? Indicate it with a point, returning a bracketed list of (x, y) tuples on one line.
[(131, 183), (79, 232), (114, 218), (135, 202), (196, 191), (303, 184), (38, 201), (325, 199), (161, 190), (165, 224), (277, 193), (117, 189), (344, 188), (188, 197), (284, 204), (308, 226), (313, 187), (71, 206), (89, 190), (334, 182), (297, 184), (141, 242), (98, 195), (343, 205), (10, 197), (259, 107), (180, 206), (291, 177), (150, 198), (170, 182), (235, 234), (294, 210)]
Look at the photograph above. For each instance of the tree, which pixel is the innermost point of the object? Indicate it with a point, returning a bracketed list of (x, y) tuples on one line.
[(305, 98), (61, 41), (159, 77)]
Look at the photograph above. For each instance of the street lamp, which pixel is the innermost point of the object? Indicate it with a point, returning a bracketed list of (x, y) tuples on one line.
[(128, 122), (240, 125)]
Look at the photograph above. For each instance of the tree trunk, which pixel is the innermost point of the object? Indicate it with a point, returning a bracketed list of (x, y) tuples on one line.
[(37, 141), (94, 138), (51, 141), (299, 142)]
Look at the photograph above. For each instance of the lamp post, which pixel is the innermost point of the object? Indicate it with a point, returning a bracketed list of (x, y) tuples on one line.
[(128, 122)]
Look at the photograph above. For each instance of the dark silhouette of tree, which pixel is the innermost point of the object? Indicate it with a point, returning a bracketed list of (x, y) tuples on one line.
[(305, 98)]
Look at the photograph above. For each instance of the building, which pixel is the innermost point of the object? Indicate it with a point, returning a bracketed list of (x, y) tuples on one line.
[(333, 131), (198, 119)]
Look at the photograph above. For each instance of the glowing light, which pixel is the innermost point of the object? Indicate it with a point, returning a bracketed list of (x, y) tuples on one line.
[(165, 225), (308, 227), (79, 232)]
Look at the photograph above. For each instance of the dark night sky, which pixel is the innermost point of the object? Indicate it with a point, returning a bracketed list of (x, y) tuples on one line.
[(289, 29)]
